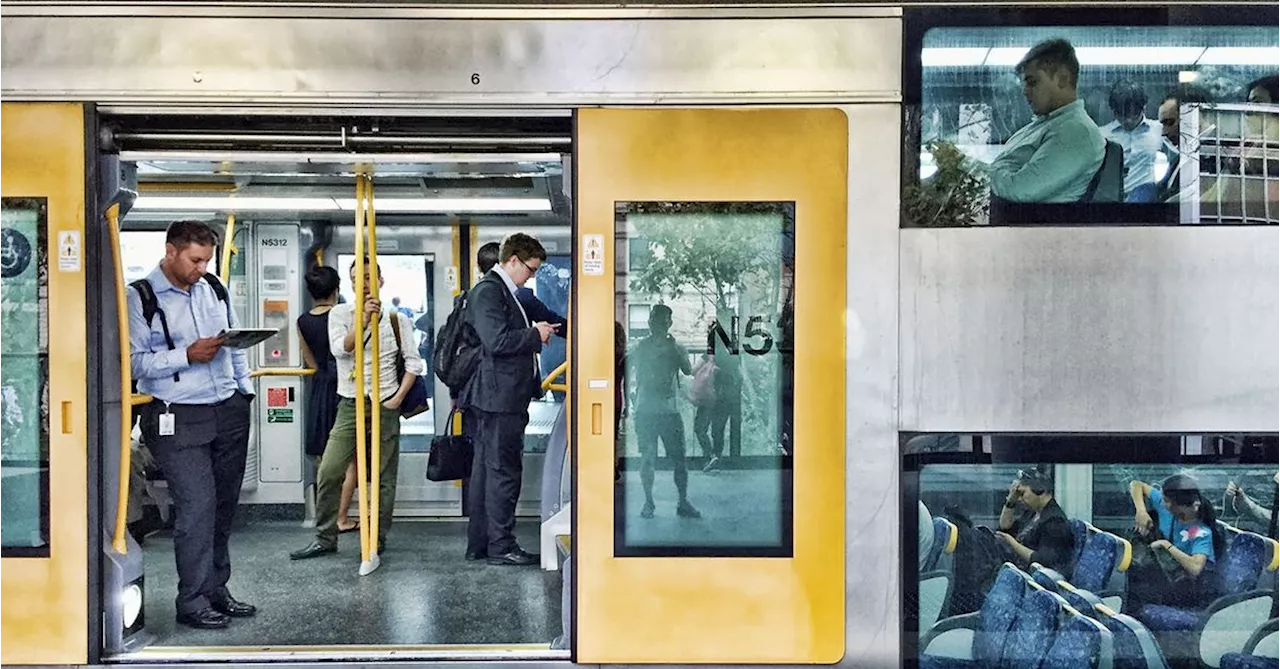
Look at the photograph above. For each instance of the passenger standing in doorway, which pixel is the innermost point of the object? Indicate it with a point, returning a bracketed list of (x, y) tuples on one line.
[(340, 451), (198, 426), (487, 257), (654, 366), (322, 398), (497, 396)]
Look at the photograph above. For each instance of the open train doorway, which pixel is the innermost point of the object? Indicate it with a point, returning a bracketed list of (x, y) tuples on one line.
[(281, 197)]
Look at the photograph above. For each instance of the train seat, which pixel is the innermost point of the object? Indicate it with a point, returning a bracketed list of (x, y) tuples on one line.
[(1079, 530), (1102, 567), (1033, 630), (1226, 625), (977, 639), (1080, 642), (1261, 652), (936, 582), (1135, 645)]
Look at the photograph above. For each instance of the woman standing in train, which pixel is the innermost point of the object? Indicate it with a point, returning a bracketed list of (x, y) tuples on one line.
[(1186, 528), (322, 400)]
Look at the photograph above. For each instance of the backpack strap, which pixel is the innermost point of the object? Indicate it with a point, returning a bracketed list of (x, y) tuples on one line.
[(221, 291), (151, 308)]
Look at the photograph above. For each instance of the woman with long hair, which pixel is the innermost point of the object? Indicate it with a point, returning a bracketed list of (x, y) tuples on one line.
[(1185, 527)]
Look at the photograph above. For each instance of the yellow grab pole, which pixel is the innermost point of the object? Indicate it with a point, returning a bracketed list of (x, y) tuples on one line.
[(126, 383), (375, 478), (228, 248), (361, 465)]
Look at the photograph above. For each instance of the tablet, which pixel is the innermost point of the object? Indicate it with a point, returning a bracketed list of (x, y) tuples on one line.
[(246, 337)]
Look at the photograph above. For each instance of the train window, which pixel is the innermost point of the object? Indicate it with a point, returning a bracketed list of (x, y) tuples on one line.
[(1015, 124), (1149, 541), (24, 372), (704, 293)]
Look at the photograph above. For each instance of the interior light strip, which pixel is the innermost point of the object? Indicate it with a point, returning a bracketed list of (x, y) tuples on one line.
[(387, 205)]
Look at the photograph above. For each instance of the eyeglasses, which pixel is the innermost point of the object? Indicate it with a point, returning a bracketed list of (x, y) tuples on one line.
[(532, 270)]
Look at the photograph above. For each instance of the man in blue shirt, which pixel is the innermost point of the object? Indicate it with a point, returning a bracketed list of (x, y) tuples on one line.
[(1141, 139), (1053, 158), (198, 426)]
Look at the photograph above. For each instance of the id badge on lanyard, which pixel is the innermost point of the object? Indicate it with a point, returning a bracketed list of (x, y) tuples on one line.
[(166, 422)]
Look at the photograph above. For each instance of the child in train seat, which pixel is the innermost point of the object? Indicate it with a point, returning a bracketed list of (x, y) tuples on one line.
[(1177, 543)]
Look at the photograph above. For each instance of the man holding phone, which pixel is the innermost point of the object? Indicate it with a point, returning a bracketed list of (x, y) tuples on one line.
[(498, 395)]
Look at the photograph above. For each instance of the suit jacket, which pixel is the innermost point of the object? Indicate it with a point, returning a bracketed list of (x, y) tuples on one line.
[(507, 377)]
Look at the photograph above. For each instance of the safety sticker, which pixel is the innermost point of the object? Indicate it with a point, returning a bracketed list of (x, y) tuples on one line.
[(69, 251), (277, 397), (593, 255), (279, 415)]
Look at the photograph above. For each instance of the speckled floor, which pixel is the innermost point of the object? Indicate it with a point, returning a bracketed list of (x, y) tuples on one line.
[(424, 592)]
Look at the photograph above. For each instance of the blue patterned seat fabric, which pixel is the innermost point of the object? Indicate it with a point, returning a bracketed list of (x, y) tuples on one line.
[(1242, 661), (999, 608), (1032, 632), (1097, 561), (941, 535), (1045, 580), (1081, 532), (1238, 571), (1076, 646), (1080, 600), (1128, 650)]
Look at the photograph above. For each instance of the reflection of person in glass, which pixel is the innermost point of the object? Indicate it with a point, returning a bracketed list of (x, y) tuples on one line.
[(653, 369), (717, 389), (1033, 526), (1169, 186), (1053, 158)]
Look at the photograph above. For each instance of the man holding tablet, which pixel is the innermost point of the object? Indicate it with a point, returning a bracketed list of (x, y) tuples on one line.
[(198, 426)]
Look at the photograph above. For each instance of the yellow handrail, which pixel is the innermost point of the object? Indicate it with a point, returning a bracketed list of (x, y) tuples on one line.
[(282, 371), (361, 464), (228, 249), (138, 400), (547, 383), (375, 433), (126, 385)]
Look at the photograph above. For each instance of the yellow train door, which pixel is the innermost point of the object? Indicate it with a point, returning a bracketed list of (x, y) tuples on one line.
[(44, 568), (710, 512)]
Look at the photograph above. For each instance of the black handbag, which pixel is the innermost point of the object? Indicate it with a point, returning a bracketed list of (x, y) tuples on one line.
[(415, 401), (451, 455)]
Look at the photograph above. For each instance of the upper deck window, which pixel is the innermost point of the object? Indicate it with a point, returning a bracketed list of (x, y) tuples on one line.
[(1101, 124)]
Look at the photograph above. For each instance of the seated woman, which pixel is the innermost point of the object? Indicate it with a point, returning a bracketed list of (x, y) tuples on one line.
[(1186, 529), (1033, 526)]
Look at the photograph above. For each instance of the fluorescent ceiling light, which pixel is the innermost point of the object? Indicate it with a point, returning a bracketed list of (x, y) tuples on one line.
[(1240, 55), (1138, 55), (1006, 56), (1107, 55), (388, 205), (958, 57)]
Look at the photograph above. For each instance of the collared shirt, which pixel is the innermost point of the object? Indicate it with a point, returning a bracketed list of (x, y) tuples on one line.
[(1141, 145), (342, 321), (191, 315), (1051, 159), (511, 286)]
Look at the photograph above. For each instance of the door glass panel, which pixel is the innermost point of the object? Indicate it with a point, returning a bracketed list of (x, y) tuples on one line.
[(24, 372), (408, 284), (704, 295)]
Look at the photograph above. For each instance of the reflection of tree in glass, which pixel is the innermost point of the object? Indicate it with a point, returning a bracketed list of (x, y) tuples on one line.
[(730, 255), (953, 196)]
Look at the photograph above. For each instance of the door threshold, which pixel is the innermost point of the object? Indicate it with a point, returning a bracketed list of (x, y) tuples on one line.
[(303, 653)]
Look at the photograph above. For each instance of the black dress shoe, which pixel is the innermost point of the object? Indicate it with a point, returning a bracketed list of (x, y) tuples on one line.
[(234, 608), (204, 619), (316, 549), (472, 556), (517, 557)]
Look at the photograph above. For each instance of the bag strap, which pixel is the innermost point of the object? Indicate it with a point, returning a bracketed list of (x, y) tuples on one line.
[(395, 330), (150, 308)]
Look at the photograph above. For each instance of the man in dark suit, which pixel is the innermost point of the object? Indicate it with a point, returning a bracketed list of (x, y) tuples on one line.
[(487, 257), (498, 396)]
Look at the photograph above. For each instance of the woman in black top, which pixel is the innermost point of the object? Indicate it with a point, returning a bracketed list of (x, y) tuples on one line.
[(1033, 526), (322, 399)]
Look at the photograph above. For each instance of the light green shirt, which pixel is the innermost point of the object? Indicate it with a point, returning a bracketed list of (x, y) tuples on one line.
[(1051, 159)]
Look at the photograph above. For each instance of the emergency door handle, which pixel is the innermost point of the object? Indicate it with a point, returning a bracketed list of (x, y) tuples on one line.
[(597, 417)]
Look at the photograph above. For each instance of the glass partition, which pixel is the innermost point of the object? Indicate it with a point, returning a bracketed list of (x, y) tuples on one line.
[(24, 374), (703, 309)]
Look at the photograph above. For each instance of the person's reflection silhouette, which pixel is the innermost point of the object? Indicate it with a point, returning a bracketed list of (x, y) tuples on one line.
[(653, 367)]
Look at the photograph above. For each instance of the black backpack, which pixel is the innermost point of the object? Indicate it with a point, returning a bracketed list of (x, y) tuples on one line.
[(976, 560), (457, 351), (151, 308)]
